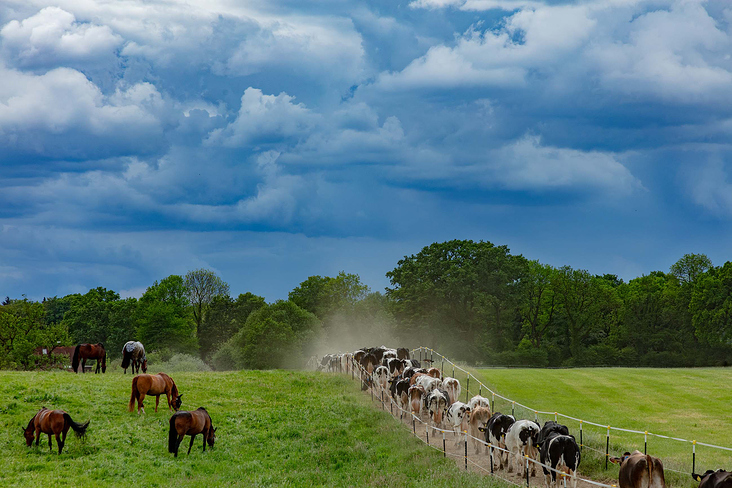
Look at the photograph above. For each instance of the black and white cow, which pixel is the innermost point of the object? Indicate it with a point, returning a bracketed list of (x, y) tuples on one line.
[(437, 403), (381, 376), (562, 453), (479, 401), (495, 434), (714, 479), (521, 441), (409, 372), (396, 366), (549, 428), (457, 418)]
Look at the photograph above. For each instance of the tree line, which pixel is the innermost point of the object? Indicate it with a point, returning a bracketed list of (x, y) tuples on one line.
[(473, 300)]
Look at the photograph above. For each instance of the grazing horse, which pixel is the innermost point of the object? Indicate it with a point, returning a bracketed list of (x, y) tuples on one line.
[(190, 423), (52, 422), (89, 351), (154, 385), (134, 353)]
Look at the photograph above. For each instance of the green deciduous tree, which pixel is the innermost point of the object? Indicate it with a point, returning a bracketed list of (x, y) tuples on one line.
[(202, 286), (224, 318), (711, 306), (690, 266), (164, 318)]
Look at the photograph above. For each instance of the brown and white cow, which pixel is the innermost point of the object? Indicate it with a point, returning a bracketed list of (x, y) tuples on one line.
[(479, 417), (452, 386), (435, 373), (415, 399), (638, 470)]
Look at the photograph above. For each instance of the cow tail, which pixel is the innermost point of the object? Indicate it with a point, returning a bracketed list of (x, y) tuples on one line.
[(135, 395), (79, 429), (649, 462), (172, 436), (75, 360)]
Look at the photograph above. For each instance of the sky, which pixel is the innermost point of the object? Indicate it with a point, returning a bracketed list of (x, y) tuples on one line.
[(272, 140)]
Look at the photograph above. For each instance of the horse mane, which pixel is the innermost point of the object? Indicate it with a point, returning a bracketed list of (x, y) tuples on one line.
[(75, 360), (30, 424)]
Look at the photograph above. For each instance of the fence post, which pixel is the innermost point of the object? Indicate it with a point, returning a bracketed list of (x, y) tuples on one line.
[(490, 454), (693, 456), (536, 416), (581, 443), (645, 445), (414, 427), (444, 450), (466, 451), (432, 356), (453, 370), (527, 470), (442, 369), (480, 389), (556, 419), (427, 433), (493, 401), (467, 387), (607, 446), (513, 409)]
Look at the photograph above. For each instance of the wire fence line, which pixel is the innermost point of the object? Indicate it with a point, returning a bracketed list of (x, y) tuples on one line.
[(426, 352), (383, 396)]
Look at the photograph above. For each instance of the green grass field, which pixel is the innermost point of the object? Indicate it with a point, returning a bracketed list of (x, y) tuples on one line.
[(275, 428), (686, 403)]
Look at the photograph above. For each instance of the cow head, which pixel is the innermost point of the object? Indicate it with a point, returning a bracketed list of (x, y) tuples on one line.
[(621, 459)]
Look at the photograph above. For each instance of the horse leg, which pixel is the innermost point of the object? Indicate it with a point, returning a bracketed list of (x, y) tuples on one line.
[(63, 440), (191, 445), (50, 445), (205, 436), (177, 444), (38, 436), (59, 442), (83, 365), (140, 406), (157, 400)]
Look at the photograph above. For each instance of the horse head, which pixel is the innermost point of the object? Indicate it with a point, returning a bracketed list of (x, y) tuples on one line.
[(144, 366), (177, 402), (211, 436), (28, 433)]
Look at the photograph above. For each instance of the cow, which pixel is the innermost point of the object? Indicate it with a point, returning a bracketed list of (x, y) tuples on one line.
[(410, 371), (402, 393), (415, 393), (457, 418), (415, 377), (495, 433), (479, 417), (437, 404), (560, 452), (479, 401), (369, 362), (381, 375), (396, 366), (412, 363), (429, 383), (550, 427), (435, 373), (521, 441), (714, 479), (402, 353), (452, 386), (357, 355), (638, 470)]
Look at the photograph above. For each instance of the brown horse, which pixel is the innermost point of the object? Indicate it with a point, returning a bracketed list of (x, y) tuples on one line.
[(192, 424), (89, 351), (52, 422), (154, 385)]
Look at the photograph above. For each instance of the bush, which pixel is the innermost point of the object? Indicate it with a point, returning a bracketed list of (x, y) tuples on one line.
[(180, 363)]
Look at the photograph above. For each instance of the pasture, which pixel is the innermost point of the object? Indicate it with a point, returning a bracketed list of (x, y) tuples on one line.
[(275, 428), (694, 404)]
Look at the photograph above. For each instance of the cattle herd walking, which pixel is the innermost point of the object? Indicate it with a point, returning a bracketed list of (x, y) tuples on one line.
[(58, 422), (423, 391)]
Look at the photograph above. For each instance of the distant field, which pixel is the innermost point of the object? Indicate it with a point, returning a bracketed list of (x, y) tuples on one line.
[(687, 403), (275, 428)]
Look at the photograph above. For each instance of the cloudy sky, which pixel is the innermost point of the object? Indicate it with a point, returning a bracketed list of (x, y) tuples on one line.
[(270, 140)]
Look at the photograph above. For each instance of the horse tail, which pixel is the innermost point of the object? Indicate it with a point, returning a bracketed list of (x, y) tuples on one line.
[(135, 395), (75, 360), (79, 429), (172, 436), (126, 358)]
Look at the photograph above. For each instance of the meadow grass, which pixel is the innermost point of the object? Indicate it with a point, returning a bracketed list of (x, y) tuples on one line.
[(693, 404), (275, 428)]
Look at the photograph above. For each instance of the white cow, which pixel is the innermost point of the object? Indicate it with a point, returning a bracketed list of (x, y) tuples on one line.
[(452, 386), (479, 401), (521, 441), (429, 384), (381, 376), (457, 417)]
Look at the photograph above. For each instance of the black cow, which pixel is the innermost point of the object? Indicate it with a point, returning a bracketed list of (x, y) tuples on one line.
[(549, 427), (409, 372), (396, 366), (562, 453), (495, 434), (714, 479)]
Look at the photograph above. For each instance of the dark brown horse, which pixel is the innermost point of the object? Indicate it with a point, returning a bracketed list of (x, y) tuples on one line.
[(52, 422), (89, 351), (154, 385), (190, 423)]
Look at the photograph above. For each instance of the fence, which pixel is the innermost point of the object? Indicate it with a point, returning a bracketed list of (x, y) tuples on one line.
[(425, 353), (379, 394)]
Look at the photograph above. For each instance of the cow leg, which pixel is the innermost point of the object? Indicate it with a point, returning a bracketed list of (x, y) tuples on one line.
[(191, 445)]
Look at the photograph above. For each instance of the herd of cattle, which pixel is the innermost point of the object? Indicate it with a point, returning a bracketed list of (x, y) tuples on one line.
[(424, 391)]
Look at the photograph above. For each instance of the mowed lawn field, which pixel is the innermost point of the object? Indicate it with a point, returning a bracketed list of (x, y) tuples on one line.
[(275, 428), (693, 404)]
